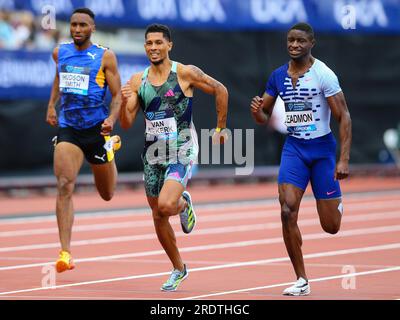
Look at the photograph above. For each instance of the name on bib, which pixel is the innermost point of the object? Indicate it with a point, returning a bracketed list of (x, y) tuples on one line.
[(74, 80), (161, 124), (299, 116)]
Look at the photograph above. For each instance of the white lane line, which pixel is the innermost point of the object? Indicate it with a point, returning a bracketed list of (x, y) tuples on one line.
[(228, 216), (308, 200), (14, 258), (140, 211), (216, 267), (364, 273), (83, 297), (231, 216), (217, 230), (313, 236), (370, 194)]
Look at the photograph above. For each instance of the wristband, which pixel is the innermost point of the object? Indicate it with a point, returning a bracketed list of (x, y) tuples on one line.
[(218, 129)]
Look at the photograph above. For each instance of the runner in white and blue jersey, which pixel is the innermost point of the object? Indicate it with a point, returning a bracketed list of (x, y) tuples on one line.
[(311, 93)]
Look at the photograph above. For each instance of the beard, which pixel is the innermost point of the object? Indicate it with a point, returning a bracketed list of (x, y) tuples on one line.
[(158, 62), (78, 42), (81, 41)]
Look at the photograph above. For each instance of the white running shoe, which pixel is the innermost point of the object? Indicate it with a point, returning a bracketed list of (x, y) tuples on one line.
[(300, 288), (175, 279)]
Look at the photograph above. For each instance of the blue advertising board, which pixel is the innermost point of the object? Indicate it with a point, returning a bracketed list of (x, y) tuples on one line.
[(324, 15), (27, 74)]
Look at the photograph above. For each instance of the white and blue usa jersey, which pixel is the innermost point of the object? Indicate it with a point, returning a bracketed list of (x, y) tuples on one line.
[(307, 110)]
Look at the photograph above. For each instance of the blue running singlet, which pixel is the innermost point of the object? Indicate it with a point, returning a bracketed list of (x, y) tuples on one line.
[(82, 86)]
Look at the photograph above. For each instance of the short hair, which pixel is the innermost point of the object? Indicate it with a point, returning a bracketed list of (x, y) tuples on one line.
[(159, 28), (85, 11), (302, 26)]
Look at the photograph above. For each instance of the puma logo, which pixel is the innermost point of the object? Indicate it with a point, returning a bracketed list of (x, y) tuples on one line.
[(54, 140), (102, 158), (92, 55)]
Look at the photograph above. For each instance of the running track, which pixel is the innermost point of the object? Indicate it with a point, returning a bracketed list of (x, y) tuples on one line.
[(235, 252)]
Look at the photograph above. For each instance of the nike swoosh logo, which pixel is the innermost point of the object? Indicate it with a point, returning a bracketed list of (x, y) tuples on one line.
[(329, 193), (304, 285)]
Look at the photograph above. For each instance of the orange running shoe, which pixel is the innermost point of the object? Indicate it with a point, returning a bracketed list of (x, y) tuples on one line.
[(64, 262)]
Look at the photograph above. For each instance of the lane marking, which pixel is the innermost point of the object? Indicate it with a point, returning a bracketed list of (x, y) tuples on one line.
[(239, 244), (233, 215), (364, 273), (206, 231), (86, 215), (88, 297), (231, 265)]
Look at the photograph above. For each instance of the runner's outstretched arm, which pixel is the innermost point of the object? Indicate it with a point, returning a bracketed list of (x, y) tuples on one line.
[(113, 80), (341, 113), (51, 117), (198, 79)]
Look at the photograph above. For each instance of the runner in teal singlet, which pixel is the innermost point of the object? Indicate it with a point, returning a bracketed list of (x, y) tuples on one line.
[(164, 92)]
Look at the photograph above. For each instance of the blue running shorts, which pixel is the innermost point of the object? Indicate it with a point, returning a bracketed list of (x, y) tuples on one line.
[(311, 160)]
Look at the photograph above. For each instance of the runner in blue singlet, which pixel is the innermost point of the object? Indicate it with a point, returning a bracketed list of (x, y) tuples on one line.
[(84, 72)]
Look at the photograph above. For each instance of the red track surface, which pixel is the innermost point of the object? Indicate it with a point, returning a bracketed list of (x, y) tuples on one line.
[(235, 252)]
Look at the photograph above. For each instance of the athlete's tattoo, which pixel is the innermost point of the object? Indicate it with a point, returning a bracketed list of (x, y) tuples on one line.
[(201, 75)]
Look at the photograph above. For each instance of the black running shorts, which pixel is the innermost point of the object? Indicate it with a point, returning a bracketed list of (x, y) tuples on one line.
[(90, 141)]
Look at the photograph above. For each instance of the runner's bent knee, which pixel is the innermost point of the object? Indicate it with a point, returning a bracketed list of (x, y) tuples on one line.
[(106, 195), (167, 207), (331, 228)]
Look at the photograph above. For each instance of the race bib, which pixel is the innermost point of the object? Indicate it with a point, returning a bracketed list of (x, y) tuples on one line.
[(162, 125), (299, 116), (74, 80)]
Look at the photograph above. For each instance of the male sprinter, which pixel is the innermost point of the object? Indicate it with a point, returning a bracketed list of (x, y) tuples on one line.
[(84, 70), (164, 92), (311, 92)]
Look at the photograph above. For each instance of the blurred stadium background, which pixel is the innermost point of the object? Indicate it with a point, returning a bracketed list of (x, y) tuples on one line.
[(239, 42)]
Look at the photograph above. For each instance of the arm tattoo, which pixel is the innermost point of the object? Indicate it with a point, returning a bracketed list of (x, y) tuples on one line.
[(197, 71), (200, 75)]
